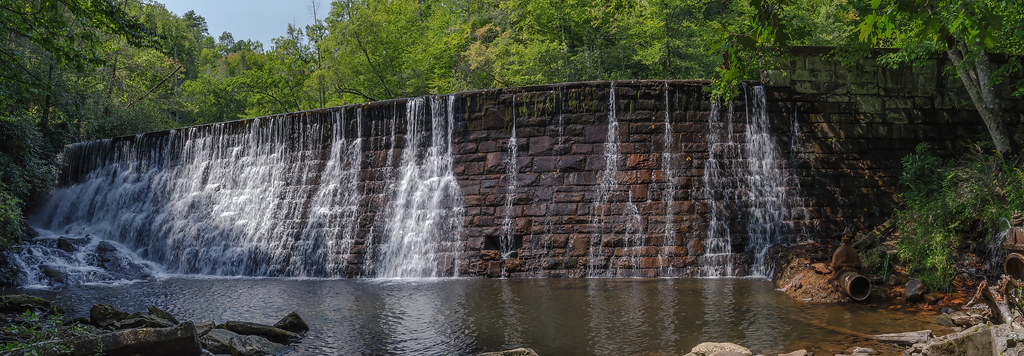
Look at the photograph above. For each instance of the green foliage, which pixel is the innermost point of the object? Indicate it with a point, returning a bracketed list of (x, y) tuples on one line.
[(968, 199), (37, 335), (25, 172)]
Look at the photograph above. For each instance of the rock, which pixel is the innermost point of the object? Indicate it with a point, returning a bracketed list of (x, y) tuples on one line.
[(64, 245), (251, 345), (915, 290), (821, 268), (159, 313), (932, 298), (119, 265), (893, 280), (976, 340), (172, 341), (945, 320), (962, 318), (54, 273), (220, 341), (797, 353), (19, 303), (292, 322), (522, 351), (725, 353), (864, 351), (104, 315), (204, 327), (709, 348), (267, 331), (142, 321), (905, 339)]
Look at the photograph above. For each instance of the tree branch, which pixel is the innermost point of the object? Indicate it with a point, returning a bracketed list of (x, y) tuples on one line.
[(373, 67), (150, 91)]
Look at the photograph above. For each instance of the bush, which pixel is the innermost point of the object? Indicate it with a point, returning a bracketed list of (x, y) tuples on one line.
[(26, 172), (967, 199), (38, 335)]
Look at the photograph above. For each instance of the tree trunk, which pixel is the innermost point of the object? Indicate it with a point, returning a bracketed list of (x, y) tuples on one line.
[(977, 82)]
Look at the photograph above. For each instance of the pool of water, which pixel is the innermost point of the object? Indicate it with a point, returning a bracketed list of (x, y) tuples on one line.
[(468, 316)]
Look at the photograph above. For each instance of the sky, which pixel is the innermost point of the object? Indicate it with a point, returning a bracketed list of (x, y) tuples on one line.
[(259, 20)]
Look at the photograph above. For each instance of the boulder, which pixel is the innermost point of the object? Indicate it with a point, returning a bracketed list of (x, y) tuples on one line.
[(104, 315), (220, 341), (713, 348), (905, 339), (893, 280), (159, 313), (272, 333), (19, 303), (915, 290), (64, 245), (141, 321), (522, 351), (797, 353), (204, 327), (117, 264), (172, 341), (292, 322), (962, 318), (932, 298), (976, 340), (251, 345)]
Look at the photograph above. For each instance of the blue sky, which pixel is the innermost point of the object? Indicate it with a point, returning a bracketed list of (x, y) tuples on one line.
[(259, 20)]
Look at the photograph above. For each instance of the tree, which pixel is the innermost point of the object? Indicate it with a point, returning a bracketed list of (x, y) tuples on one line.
[(968, 32)]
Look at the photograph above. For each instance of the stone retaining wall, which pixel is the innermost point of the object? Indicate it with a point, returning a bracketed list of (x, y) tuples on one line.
[(840, 133)]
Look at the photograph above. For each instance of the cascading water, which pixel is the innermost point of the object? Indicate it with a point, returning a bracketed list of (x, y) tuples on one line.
[(424, 217), (313, 195), (745, 185), (668, 194), (602, 240), (220, 199), (511, 172), (717, 260), (770, 208)]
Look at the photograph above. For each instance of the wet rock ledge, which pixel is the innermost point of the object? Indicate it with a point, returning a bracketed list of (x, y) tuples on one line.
[(33, 326)]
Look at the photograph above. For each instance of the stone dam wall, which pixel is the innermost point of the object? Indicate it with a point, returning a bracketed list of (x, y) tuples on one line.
[(631, 178)]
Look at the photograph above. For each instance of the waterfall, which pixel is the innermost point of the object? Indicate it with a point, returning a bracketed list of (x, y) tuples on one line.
[(511, 171), (334, 210), (377, 190), (745, 185), (770, 208), (221, 199), (606, 236), (424, 217), (668, 194), (717, 260)]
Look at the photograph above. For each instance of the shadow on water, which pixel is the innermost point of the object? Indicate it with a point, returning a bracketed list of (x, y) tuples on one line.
[(468, 316)]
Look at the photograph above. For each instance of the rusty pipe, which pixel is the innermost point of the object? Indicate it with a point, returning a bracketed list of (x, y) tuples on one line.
[(856, 286), (1014, 265)]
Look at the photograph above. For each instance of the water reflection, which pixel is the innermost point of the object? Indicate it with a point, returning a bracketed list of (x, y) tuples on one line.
[(468, 316)]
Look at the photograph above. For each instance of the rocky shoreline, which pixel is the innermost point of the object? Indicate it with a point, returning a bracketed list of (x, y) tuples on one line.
[(34, 326)]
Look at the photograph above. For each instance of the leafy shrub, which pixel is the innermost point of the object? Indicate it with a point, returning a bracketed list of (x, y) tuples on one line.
[(26, 171), (37, 335), (967, 199)]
